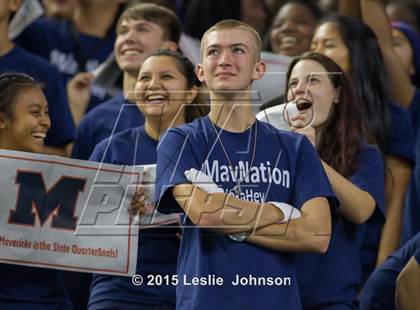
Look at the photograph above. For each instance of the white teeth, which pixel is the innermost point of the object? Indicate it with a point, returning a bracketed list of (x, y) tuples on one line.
[(155, 97), (289, 40), (39, 135), (132, 52)]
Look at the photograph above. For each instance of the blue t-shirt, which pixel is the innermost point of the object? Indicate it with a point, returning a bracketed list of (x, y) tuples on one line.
[(62, 126), (111, 117), (401, 144), (157, 247), (30, 288), (286, 168), (412, 203), (401, 140), (53, 40), (417, 255), (379, 290), (332, 279)]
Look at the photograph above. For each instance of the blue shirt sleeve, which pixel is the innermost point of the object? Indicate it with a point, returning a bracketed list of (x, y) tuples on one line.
[(83, 144), (401, 141), (99, 151), (370, 177), (408, 250), (417, 255), (414, 110), (62, 125), (174, 156), (31, 37), (311, 180)]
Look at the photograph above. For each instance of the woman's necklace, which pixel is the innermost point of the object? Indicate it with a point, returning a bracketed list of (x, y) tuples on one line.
[(237, 188)]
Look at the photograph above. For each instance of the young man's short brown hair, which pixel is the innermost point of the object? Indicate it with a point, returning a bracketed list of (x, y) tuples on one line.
[(228, 24), (157, 14)]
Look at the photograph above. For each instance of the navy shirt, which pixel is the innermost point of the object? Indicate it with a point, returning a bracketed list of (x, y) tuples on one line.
[(62, 126), (53, 40), (401, 144), (379, 290), (111, 117), (31, 288), (417, 255), (286, 168), (412, 204), (401, 141), (332, 279), (157, 247)]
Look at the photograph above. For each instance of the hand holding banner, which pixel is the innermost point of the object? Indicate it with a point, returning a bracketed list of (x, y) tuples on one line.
[(67, 214)]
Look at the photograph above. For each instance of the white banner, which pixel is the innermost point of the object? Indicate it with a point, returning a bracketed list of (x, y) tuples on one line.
[(67, 214)]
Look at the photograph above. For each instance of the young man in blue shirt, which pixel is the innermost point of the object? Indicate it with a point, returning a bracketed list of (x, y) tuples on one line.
[(141, 30), (236, 239), (76, 47)]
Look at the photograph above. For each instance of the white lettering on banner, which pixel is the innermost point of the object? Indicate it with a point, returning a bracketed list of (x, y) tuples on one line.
[(263, 173)]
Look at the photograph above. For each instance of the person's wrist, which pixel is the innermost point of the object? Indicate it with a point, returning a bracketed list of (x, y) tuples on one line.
[(289, 212)]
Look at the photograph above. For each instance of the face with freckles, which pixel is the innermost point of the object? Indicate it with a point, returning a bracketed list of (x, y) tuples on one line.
[(162, 90), (310, 80), (26, 128)]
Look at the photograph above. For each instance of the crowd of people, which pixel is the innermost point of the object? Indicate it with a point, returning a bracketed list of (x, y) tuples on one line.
[(322, 215)]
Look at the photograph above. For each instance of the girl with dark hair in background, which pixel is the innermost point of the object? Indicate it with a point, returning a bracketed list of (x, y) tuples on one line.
[(353, 46), (292, 28), (76, 47), (24, 122), (291, 33), (401, 49), (355, 170)]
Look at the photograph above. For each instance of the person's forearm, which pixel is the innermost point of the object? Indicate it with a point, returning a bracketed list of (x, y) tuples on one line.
[(396, 184), (349, 8), (77, 112), (356, 205), (224, 213), (374, 15), (310, 233), (408, 287)]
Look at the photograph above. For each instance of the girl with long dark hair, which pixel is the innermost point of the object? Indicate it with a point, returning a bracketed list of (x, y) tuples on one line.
[(354, 47), (354, 168)]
